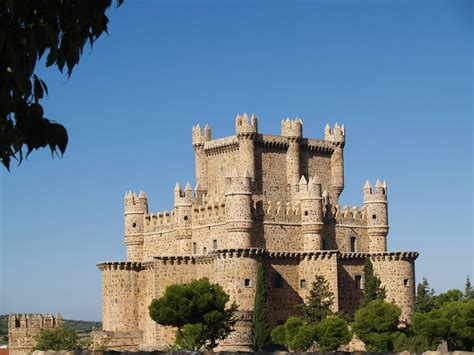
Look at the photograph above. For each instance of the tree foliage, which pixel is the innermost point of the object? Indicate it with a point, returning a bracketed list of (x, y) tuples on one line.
[(319, 302), (58, 338), (425, 299), (377, 324), (30, 29), (331, 333), (468, 291), (295, 334), (373, 289), (260, 328), (198, 309)]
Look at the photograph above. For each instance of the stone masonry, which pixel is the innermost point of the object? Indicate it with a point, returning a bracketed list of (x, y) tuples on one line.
[(258, 199)]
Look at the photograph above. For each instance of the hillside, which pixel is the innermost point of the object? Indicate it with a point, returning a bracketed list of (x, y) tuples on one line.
[(82, 326)]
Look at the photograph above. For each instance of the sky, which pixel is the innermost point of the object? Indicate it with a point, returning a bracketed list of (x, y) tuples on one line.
[(398, 74)]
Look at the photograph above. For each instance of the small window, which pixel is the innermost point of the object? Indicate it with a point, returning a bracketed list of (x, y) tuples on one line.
[(374, 216), (185, 218), (357, 280), (247, 283), (303, 283), (194, 248), (305, 213), (323, 244), (134, 225), (405, 282), (353, 244), (277, 281), (214, 244), (204, 250)]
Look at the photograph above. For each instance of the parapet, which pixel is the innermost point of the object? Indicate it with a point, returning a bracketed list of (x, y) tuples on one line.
[(244, 127), (378, 194), (201, 136), (292, 128), (336, 135), (34, 321), (238, 184), (134, 203)]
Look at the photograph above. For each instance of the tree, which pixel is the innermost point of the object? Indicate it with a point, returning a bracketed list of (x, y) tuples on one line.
[(260, 328), (372, 285), (448, 296), (377, 324), (319, 302), (425, 299), (468, 291), (30, 29), (58, 338), (332, 332), (198, 312), (294, 334)]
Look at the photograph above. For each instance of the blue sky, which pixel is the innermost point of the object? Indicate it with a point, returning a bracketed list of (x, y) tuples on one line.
[(398, 74)]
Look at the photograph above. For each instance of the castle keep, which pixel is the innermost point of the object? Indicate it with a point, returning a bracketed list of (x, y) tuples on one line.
[(263, 199)]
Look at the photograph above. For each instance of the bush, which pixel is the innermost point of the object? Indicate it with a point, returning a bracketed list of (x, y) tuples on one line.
[(59, 338), (332, 332), (294, 334)]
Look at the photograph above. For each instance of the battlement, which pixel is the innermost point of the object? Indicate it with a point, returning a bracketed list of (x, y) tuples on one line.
[(336, 135), (281, 211), (163, 218), (356, 213), (183, 197), (245, 127), (238, 184), (201, 136), (33, 321), (378, 194), (292, 128), (134, 203), (212, 211)]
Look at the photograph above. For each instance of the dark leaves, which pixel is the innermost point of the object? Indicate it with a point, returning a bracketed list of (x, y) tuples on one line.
[(30, 29)]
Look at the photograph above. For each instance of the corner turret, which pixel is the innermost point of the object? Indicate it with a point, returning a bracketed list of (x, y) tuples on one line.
[(136, 208), (183, 201), (337, 136), (293, 131), (238, 209), (375, 202), (199, 138), (247, 131), (311, 213)]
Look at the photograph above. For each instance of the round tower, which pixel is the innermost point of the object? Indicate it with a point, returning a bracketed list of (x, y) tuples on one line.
[(246, 132), (293, 131), (136, 208), (338, 138), (375, 203), (199, 138), (183, 202), (311, 213), (238, 209)]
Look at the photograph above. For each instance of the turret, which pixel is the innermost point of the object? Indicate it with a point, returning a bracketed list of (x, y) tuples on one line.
[(238, 209), (136, 208), (247, 131), (199, 138), (311, 213), (183, 201), (293, 131), (337, 136), (375, 202), (13, 321)]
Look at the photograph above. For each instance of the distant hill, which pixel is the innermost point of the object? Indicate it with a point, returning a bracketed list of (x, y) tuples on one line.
[(82, 326)]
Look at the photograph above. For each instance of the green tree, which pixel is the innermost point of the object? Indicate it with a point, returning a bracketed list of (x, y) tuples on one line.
[(448, 296), (260, 328), (372, 284), (332, 332), (295, 334), (425, 299), (304, 338), (377, 324), (468, 291), (58, 338), (30, 29), (319, 302), (200, 306)]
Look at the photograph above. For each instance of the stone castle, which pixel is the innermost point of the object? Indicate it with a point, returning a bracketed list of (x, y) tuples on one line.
[(23, 330), (258, 199)]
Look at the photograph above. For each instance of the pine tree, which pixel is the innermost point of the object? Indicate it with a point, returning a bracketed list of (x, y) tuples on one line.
[(372, 286), (319, 302), (425, 299), (468, 291), (260, 327)]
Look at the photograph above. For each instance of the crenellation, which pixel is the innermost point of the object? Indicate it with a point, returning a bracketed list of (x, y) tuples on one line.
[(258, 199)]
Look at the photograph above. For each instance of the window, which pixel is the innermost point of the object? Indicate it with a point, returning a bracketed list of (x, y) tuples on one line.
[(134, 225), (305, 213), (247, 283), (185, 218), (214, 244), (353, 244), (277, 281), (323, 244), (303, 283), (194, 248), (374, 216), (405, 282), (357, 280), (204, 250)]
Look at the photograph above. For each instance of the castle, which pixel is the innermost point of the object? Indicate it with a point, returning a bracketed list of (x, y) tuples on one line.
[(23, 330), (258, 199)]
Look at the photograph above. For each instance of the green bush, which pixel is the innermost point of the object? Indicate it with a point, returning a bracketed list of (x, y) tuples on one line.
[(332, 332), (59, 338), (295, 334)]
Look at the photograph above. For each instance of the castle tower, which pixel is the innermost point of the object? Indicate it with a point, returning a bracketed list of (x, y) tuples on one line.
[(246, 133), (311, 213), (338, 138), (136, 207), (182, 213), (293, 131), (199, 138), (238, 209), (375, 203)]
